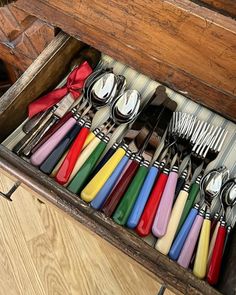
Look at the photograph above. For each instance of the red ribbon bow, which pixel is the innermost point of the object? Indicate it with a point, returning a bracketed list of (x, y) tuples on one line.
[(74, 85)]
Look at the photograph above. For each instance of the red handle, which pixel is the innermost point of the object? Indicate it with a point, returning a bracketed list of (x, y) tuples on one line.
[(120, 188), (52, 130), (145, 223), (216, 259), (67, 166)]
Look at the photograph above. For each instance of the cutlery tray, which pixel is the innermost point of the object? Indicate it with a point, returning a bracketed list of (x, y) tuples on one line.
[(42, 76)]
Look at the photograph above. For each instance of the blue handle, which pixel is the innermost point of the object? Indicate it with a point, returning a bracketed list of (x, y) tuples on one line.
[(182, 235), (108, 186), (142, 198)]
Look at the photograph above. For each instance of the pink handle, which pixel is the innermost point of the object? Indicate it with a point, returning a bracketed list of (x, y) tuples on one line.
[(45, 150), (163, 213), (189, 245)]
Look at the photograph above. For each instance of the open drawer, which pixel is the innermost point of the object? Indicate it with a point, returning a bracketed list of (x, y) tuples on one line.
[(43, 75)]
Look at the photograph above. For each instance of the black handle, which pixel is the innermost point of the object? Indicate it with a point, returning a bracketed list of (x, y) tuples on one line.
[(162, 290), (32, 134), (103, 161), (52, 160), (8, 195), (180, 184)]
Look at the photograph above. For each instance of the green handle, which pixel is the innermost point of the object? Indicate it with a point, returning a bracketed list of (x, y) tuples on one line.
[(78, 182), (123, 210), (193, 192)]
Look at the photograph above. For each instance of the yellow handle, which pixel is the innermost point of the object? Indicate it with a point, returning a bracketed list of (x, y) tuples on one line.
[(84, 156), (200, 263), (94, 186), (89, 138), (163, 244), (212, 243)]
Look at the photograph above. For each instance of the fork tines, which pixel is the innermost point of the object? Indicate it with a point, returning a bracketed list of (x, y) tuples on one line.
[(182, 124), (207, 137)]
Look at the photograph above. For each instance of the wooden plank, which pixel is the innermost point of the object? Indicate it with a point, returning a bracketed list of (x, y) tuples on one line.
[(179, 43), (65, 256), (167, 270)]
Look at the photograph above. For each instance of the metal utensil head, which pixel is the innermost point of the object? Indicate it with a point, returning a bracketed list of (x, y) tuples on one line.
[(211, 185), (126, 107), (228, 194), (182, 125), (104, 90)]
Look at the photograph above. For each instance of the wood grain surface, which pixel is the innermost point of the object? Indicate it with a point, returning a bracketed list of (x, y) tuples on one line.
[(49, 191), (22, 36), (43, 75), (177, 42), (43, 252)]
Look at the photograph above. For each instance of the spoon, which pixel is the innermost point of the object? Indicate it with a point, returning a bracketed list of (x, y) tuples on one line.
[(123, 110), (228, 198), (104, 90), (212, 187), (42, 154), (184, 244)]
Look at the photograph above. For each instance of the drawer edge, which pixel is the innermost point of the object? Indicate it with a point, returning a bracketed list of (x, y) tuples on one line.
[(175, 277)]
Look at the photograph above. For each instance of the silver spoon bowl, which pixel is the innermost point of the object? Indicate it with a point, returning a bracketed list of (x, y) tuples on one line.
[(126, 107), (104, 90)]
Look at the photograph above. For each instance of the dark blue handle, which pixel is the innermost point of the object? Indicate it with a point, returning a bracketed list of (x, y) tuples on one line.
[(179, 186), (109, 185), (182, 235), (142, 198), (103, 161), (48, 165)]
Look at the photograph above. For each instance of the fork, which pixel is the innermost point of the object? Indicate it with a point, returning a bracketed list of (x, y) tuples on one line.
[(180, 131), (204, 152)]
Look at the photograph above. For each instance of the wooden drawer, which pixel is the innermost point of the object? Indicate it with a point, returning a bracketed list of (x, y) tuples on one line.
[(182, 44), (39, 78)]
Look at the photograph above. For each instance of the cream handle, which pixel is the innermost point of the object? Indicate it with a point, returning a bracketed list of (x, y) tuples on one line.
[(163, 244), (83, 157), (89, 138), (212, 243)]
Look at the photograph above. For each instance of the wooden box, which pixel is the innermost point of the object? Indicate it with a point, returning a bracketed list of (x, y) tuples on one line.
[(179, 43)]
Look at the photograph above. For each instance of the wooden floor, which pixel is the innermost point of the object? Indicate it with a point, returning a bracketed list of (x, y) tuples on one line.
[(44, 252)]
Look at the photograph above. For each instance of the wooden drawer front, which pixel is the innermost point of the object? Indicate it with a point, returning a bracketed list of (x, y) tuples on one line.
[(41, 76), (179, 43)]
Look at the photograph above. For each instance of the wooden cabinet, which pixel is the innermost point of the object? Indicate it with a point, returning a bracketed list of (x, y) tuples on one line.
[(179, 43), (22, 37)]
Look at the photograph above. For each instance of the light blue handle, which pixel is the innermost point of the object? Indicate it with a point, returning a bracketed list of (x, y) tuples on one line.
[(142, 198), (182, 235), (100, 198)]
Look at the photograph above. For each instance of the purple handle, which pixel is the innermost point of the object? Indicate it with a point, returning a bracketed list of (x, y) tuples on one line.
[(162, 217), (45, 150), (190, 243)]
